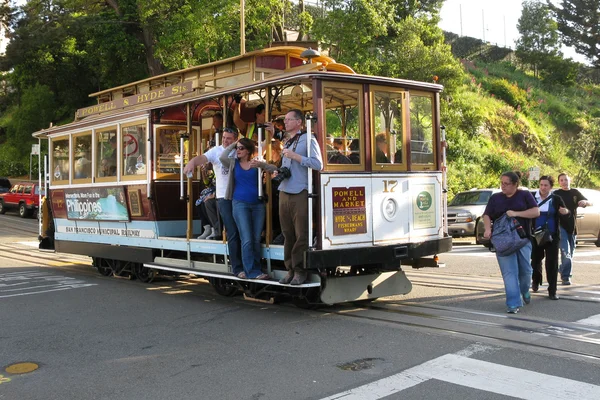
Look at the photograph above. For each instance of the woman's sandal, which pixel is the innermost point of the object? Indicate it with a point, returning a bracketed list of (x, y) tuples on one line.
[(242, 275), (263, 276)]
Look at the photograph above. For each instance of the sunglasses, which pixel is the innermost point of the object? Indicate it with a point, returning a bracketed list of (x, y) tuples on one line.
[(240, 148)]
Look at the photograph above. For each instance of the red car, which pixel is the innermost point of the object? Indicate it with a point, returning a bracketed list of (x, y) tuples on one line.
[(24, 196)]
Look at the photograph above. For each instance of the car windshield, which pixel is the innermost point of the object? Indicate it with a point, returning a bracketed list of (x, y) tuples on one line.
[(475, 198)]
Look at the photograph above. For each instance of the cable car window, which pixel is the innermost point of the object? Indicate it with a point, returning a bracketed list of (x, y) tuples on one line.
[(60, 160), (421, 130), (168, 157), (388, 129), (344, 148), (106, 153), (82, 156), (134, 150)]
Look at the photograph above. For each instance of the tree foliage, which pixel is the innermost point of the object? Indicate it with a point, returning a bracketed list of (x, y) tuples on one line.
[(539, 35), (579, 25)]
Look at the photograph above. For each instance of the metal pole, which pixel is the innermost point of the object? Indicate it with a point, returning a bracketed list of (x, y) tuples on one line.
[(242, 28), (461, 28), (310, 184)]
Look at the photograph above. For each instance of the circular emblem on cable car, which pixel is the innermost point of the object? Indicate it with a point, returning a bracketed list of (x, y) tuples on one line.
[(424, 201), (389, 208)]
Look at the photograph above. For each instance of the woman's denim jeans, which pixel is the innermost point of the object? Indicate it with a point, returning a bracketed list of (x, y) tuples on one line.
[(516, 272), (250, 220), (567, 249)]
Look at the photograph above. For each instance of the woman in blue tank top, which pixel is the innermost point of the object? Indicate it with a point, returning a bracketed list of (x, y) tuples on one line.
[(550, 208), (248, 209)]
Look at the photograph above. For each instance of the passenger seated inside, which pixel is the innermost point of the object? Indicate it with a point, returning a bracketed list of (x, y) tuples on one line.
[(338, 156), (354, 155), (398, 156), (381, 149)]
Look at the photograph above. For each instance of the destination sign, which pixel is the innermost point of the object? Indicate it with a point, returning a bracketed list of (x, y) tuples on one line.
[(158, 94), (349, 211)]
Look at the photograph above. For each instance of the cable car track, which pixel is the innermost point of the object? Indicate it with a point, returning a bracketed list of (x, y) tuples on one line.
[(543, 335)]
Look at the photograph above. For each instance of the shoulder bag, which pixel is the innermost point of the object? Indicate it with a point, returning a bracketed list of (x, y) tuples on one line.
[(542, 234)]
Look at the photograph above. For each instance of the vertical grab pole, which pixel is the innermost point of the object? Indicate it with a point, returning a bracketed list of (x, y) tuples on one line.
[(261, 133), (310, 183), (181, 165), (444, 179), (40, 186), (190, 194)]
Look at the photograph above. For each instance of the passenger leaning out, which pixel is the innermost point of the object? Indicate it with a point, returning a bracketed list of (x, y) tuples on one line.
[(248, 208)]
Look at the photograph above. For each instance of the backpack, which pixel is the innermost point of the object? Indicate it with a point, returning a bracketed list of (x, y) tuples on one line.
[(505, 236)]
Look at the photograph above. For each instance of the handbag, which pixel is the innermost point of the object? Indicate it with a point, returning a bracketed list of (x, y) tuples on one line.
[(505, 236), (542, 235)]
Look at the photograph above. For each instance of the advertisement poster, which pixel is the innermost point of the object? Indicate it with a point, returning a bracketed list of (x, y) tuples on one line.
[(424, 210), (349, 211), (96, 204)]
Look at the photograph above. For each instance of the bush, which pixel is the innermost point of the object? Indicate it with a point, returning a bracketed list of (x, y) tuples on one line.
[(506, 91)]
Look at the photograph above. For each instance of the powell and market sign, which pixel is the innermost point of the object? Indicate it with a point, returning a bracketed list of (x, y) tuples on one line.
[(169, 91)]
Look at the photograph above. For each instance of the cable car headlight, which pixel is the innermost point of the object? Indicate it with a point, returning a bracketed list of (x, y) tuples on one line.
[(389, 208)]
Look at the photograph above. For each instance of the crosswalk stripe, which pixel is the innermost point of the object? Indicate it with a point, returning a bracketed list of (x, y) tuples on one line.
[(476, 374), (594, 320)]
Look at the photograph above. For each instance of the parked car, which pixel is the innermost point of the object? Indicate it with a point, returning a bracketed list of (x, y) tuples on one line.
[(465, 211), (23, 196), (4, 185), (588, 220)]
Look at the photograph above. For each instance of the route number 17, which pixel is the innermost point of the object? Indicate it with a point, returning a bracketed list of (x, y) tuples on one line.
[(389, 186)]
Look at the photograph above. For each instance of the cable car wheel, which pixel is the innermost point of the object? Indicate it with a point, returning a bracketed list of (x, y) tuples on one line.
[(103, 266), (308, 299), (144, 274), (223, 287)]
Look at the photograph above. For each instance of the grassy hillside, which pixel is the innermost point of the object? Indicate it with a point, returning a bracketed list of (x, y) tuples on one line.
[(503, 118)]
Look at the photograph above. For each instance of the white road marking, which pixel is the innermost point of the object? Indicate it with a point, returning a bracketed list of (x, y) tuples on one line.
[(35, 243), (476, 374), (594, 320), (23, 283)]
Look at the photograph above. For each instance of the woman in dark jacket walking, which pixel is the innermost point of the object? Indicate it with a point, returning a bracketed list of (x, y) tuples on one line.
[(550, 208)]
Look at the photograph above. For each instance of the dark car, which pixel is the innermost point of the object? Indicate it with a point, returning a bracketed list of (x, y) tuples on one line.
[(4, 185), (24, 196)]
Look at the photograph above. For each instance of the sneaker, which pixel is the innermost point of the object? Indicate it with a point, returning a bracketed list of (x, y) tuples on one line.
[(512, 310), (566, 281), (207, 231), (553, 297), (288, 278), (527, 298)]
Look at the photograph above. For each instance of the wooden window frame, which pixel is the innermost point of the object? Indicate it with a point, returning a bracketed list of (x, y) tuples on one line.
[(114, 178), (360, 167), (74, 160), (53, 181), (137, 177), (386, 167), (434, 136)]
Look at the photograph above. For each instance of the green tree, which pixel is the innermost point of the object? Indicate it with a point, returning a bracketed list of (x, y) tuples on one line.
[(579, 25), (539, 35)]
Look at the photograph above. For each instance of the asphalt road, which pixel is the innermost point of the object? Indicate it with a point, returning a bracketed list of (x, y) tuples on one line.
[(110, 338)]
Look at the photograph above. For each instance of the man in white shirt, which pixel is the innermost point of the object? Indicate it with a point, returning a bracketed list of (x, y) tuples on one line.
[(230, 135)]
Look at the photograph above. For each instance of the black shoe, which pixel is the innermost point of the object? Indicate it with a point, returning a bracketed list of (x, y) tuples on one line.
[(553, 297), (278, 240), (535, 287), (288, 278)]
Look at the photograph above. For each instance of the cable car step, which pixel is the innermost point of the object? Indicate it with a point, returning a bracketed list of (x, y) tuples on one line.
[(206, 274)]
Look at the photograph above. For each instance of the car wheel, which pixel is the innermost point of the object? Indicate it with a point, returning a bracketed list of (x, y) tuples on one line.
[(23, 211), (2, 209)]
